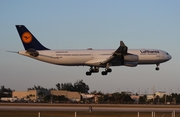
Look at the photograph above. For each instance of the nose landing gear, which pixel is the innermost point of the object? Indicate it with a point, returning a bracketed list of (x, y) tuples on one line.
[(157, 67)]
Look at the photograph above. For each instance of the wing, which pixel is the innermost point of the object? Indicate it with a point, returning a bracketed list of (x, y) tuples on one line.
[(118, 55)]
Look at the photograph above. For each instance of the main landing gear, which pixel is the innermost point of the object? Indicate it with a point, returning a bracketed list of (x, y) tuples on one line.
[(106, 71), (157, 67), (96, 70), (92, 70)]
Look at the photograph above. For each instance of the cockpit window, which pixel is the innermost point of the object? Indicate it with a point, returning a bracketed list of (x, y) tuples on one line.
[(167, 53)]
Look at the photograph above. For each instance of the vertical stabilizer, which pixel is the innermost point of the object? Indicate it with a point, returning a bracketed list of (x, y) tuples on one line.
[(28, 40)]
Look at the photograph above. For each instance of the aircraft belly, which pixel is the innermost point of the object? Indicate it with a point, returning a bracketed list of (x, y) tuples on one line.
[(73, 61), (149, 59), (44, 59)]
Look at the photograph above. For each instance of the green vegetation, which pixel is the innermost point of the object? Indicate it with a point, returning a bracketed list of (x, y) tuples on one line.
[(79, 86), (5, 92), (101, 98)]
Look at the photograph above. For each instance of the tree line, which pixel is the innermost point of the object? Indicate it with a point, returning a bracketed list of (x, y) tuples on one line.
[(81, 87), (78, 86), (5, 92)]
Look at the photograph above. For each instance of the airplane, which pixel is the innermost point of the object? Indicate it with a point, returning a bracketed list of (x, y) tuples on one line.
[(94, 58)]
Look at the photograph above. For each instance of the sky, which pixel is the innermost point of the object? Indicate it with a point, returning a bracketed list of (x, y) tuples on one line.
[(102, 24)]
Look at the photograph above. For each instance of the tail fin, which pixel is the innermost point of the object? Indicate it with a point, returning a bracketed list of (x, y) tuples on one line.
[(28, 40)]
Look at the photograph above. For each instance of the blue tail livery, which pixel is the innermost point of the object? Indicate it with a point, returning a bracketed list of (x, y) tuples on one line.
[(28, 40)]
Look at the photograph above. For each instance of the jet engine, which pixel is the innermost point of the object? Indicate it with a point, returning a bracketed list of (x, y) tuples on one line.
[(131, 60), (130, 64)]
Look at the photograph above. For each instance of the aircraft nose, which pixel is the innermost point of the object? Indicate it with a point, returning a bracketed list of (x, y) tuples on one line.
[(169, 57), (166, 56)]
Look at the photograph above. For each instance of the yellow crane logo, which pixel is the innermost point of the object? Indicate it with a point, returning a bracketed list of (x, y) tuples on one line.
[(26, 37)]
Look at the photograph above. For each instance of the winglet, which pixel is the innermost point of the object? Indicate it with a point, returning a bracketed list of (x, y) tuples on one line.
[(122, 44), (122, 49)]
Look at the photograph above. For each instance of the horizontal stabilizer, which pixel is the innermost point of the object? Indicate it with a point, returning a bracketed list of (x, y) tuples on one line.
[(12, 51)]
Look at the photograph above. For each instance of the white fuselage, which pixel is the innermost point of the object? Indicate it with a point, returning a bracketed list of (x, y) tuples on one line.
[(92, 57)]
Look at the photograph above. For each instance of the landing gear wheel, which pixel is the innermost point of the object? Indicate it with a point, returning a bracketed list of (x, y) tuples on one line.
[(109, 70), (88, 73), (157, 68), (97, 70), (104, 73)]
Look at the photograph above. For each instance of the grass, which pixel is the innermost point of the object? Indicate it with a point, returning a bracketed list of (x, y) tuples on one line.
[(81, 114)]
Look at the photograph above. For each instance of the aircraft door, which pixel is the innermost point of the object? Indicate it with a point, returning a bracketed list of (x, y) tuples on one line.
[(158, 55), (54, 57), (91, 53)]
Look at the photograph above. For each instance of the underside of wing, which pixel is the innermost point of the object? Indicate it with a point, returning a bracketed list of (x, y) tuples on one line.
[(95, 62)]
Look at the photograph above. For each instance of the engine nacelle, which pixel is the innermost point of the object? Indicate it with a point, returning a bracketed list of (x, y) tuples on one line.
[(130, 64), (131, 58)]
